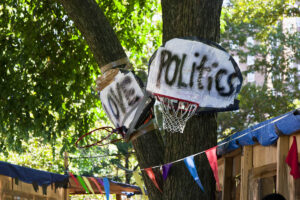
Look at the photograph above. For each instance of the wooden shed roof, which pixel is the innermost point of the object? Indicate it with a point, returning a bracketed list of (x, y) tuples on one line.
[(115, 188), (264, 133)]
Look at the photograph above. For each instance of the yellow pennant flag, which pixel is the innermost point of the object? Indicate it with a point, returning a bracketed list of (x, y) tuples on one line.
[(88, 184), (139, 182)]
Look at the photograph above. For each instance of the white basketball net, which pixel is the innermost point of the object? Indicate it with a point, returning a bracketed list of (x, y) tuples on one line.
[(176, 113)]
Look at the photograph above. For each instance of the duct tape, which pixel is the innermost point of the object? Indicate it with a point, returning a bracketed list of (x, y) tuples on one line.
[(110, 70)]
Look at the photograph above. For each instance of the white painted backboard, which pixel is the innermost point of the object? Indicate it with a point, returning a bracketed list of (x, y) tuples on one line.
[(121, 98), (194, 71)]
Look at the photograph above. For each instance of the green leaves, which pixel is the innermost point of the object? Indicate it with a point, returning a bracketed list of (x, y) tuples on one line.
[(138, 27), (46, 74), (275, 50)]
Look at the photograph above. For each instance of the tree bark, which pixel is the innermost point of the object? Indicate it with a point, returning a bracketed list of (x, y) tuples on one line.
[(96, 29), (183, 18), (150, 152)]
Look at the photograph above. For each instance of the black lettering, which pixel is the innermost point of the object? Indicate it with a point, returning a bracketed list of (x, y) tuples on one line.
[(124, 84), (200, 86), (210, 80), (192, 75), (203, 61), (134, 100), (126, 81), (129, 93), (119, 98), (115, 110), (106, 111), (201, 69), (215, 65), (218, 78), (177, 63), (229, 82), (219, 88), (180, 83), (163, 62)]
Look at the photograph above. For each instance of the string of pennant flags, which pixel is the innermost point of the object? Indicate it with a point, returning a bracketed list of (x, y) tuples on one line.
[(211, 155), (190, 163), (223, 143), (85, 183)]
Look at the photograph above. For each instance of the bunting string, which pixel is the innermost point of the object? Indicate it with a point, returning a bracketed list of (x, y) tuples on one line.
[(100, 156), (211, 154), (221, 144)]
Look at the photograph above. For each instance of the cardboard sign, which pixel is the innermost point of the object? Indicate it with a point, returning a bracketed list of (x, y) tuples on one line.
[(195, 71), (121, 98)]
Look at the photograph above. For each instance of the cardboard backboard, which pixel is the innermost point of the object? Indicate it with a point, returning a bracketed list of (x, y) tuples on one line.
[(196, 71), (121, 98)]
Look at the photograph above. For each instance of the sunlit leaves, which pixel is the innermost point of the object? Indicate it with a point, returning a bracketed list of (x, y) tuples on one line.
[(137, 25), (264, 13), (46, 74), (275, 50)]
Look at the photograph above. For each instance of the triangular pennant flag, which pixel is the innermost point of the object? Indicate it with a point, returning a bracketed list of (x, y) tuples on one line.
[(190, 164), (100, 181), (151, 175), (166, 169), (139, 181), (211, 155), (106, 187), (96, 183), (81, 181), (75, 180), (88, 184), (292, 159)]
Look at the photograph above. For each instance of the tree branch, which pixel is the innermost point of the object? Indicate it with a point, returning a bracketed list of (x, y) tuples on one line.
[(99, 34)]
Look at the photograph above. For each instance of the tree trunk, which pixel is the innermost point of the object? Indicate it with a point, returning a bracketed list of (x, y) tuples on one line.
[(183, 18), (97, 31), (106, 48), (150, 152)]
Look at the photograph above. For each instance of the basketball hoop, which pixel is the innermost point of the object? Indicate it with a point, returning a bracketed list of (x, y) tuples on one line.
[(176, 112), (100, 143)]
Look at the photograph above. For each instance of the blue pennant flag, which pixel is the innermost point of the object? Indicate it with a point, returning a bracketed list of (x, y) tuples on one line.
[(106, 187), (190, 164)]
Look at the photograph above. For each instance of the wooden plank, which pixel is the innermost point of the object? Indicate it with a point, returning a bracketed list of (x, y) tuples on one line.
[(221, 172), (297, 188), (118, 197), (281, 172), (264, 155), (291, 186), (246, 165), (236, 171), (26, 191), (233, 153), (227, 178), (263, 171)]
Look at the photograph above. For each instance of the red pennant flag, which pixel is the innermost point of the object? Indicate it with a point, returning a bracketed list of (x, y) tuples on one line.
[(75, 180), (151, 175), (96, 183), (292, 159), (213, 161)]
